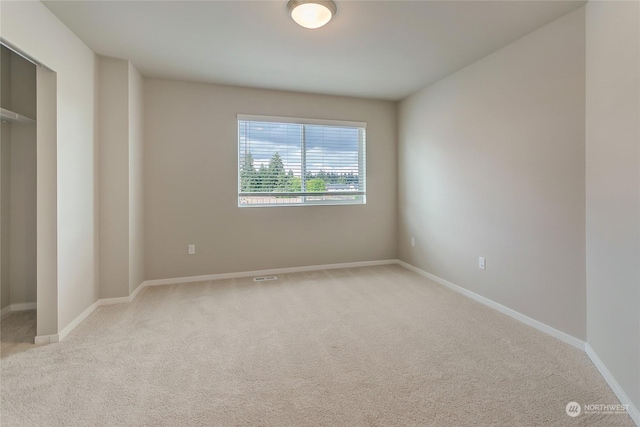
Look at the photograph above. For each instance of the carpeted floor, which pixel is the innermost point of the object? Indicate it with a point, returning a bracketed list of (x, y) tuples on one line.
[(375, 346)]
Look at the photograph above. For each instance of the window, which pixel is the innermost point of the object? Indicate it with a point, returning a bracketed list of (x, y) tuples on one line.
[(285, 162)]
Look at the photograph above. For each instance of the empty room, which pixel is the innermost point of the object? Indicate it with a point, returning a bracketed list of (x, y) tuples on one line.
[(320, 213)]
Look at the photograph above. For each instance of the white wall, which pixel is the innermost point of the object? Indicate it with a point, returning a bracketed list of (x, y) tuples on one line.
[(33, 28), (114, 177), (491, 164), (47, 203), (120, 160), (191, 185), (136, 179), (613, 189)]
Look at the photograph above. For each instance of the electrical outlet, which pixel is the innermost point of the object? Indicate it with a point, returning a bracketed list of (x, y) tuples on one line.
[(191, 249), (413, 241), (481, 263)]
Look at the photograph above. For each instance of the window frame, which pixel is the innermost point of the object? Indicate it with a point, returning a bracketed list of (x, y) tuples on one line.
[(362, 163)]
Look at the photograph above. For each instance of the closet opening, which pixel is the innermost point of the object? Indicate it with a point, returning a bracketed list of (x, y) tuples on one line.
[(28, 307)]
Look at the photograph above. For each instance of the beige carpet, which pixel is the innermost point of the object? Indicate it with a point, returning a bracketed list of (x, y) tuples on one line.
[(377, 346)]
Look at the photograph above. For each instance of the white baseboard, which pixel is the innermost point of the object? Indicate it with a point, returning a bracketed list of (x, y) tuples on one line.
[(617, 390), (622, 396), (159, 282), (101, 302), (47, 339), (24, 306), (75, 322), (190, 279), (562, 336), (624, 399), (136, 291), (112, 301), (17, 307)]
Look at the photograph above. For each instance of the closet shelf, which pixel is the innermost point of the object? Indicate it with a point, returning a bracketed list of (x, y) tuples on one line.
[(9, 115)]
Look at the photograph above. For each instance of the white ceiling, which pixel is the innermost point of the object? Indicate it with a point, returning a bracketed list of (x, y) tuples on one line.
[(373, 49)]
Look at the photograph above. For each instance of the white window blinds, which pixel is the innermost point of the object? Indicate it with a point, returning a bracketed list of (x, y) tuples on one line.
[(284, 161)]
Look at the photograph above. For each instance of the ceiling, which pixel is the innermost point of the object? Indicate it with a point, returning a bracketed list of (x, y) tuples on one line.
[(372, 49)]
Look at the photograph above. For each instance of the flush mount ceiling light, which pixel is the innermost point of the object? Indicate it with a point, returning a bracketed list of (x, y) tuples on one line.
[(311, 13)]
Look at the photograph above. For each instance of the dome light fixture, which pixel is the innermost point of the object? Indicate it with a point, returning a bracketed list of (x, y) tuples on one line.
[(311, 13)]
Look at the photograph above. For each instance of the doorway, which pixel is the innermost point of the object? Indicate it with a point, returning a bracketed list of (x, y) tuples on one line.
[(18, 182), (28, 200)]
